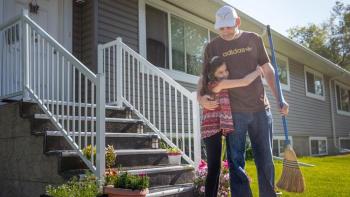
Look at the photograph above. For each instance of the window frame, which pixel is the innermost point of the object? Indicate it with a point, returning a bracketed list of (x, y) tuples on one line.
[(172, 10), (315, 73), (318, 139), (279, 138), (342, 138), (341, 85), (283, 58)]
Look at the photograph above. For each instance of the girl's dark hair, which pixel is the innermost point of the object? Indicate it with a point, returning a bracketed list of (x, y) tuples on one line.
[(209, 69)]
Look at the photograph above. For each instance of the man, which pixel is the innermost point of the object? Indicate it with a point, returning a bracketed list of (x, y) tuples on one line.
[(242, 52)]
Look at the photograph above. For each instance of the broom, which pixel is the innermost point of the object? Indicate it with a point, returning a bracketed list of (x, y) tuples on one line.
[(291, 179)]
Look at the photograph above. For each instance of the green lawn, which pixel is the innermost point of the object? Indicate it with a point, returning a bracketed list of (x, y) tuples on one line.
[(329, 178)]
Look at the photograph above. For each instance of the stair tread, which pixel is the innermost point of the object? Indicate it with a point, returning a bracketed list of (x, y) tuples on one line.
[(150, 169), (120, 120), (169, 189), (107, 134), (67, 153), (113, 107)]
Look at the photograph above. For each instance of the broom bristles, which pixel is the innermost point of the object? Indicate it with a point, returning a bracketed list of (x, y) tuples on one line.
[(292, 179)]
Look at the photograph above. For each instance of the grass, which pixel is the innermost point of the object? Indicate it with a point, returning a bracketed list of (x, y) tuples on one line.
[(329, 178)]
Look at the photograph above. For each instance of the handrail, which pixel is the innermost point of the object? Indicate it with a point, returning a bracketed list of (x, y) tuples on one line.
[(163, 104), (61, 49), (53, 77)]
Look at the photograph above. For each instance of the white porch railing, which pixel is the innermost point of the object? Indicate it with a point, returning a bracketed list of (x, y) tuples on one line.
[(166, 107), (34, 63)]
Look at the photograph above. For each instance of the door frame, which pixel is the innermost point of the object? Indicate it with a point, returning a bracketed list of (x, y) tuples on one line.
[(66, 22), (1, 11)]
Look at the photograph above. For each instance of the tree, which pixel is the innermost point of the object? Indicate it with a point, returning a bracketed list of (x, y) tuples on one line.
[(330, 39)]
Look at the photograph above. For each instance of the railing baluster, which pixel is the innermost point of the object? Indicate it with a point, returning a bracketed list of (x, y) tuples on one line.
[(164, 108), (68, 99), (86, 104), (133, 81), (176, 119), (80, 114), (153, 100), (73, 92), (159, 101), (143, 89), (115, 73), (148, 99), (92, 120), (62, 91), (170, 114), (182, 122), (189, 128), (109, 73)]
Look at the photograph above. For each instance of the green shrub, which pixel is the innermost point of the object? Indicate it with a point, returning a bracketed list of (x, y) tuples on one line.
[(133, 182), (84, 188)]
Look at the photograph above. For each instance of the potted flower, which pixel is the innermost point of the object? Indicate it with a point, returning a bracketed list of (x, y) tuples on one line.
[(127, 185), (174, 156)]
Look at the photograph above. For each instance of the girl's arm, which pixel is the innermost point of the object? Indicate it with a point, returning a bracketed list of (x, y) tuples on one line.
[(236, 83)]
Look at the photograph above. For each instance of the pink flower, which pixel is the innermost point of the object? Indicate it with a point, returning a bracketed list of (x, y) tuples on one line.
[(226, 164), (202, 165), (202, 189)]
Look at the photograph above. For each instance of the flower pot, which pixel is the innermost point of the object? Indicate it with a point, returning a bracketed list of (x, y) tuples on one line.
[(174, 159), (119, 192)]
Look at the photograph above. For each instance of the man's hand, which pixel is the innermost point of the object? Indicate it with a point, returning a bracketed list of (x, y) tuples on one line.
[(208, 102), (285, 109)]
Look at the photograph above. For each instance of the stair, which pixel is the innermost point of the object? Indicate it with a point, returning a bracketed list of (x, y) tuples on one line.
[(137, 152)]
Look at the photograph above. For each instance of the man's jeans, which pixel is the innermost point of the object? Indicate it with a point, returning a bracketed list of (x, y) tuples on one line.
[(259, 127)]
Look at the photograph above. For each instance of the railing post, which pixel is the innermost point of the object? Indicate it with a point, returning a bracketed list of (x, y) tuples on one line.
[(100, 119), (119, 69), (196, 130), (25, 55)]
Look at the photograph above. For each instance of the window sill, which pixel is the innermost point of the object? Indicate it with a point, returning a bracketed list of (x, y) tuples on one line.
[(181, 76), (283, 86), (315, 96), (343, 113)]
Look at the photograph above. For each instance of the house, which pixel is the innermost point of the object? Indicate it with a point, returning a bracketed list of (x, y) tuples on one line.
[(123, 73)]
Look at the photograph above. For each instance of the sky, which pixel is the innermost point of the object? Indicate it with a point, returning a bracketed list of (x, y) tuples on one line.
[(284, 14)]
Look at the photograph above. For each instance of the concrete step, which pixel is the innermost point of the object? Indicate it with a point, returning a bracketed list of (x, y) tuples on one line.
[(163, 175), (54, 140), (69, 160), (179, 190), (28, 109), (42, 123)]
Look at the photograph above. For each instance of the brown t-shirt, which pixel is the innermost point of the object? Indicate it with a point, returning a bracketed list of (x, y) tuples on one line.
[(242, 55)]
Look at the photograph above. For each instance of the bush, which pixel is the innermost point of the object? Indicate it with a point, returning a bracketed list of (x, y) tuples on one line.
[(84, 188), (133, 182)]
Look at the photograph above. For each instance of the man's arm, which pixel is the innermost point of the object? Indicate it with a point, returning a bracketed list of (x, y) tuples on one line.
[(205, 100), (269, 75)]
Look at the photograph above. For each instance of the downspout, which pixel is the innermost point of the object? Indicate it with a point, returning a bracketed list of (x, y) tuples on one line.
[(332, 110)]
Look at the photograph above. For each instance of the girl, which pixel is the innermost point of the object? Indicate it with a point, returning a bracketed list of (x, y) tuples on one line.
[(218, 122)]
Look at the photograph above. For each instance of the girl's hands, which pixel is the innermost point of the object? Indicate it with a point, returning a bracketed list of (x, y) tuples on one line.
[(259, 70)]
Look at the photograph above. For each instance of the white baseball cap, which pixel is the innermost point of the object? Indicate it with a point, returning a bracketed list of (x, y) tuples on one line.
[(225, 17)]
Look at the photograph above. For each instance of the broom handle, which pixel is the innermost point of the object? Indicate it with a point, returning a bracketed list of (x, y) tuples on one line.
[(279, 91)]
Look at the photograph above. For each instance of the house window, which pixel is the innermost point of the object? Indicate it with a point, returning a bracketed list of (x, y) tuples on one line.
[(157, 37), (175, 43), (318, 146), (187, 41), (278, 145), (343, 99), (314, 83), (344, 144), (283, 70)]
